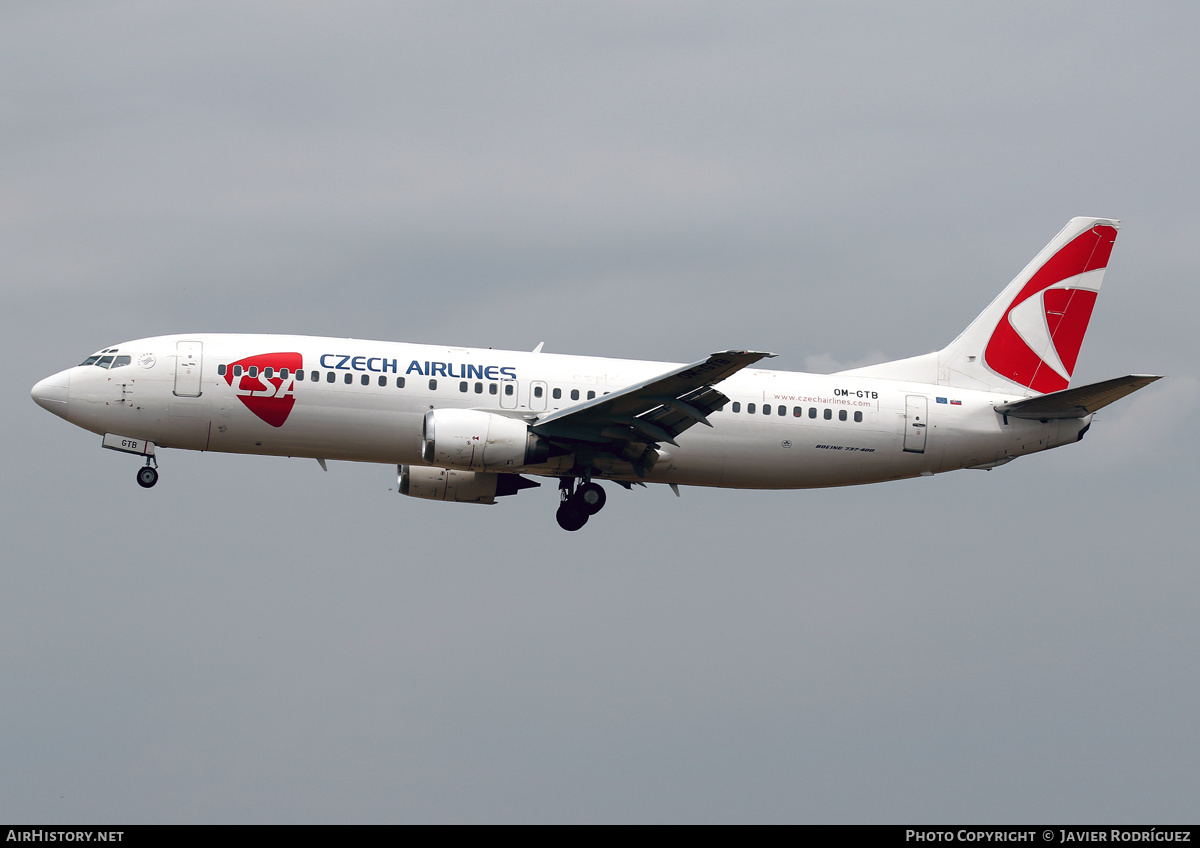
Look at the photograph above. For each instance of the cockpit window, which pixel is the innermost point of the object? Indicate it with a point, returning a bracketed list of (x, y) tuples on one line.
[(123, 359), (102, 360)]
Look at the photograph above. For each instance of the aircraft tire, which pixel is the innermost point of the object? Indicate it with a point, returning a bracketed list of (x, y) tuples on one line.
[(591, 497), (571, 515), (147, 477)]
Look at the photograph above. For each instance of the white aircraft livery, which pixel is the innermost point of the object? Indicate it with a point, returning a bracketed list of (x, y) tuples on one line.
[(471, 425)]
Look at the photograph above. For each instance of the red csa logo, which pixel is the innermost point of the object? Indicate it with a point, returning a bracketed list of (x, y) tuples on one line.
[(266, 394), (1037, 341)]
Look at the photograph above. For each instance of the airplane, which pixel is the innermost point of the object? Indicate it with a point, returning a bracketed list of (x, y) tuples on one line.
[(471, 425)]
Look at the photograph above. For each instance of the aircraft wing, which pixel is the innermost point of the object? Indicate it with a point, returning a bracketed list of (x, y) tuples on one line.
[(653, 411), (1076, 403)]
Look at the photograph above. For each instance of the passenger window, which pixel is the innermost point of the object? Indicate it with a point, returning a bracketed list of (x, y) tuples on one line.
[(382, 380), (479, 388), (574, 394), (766, 409), (857, 417), (237, 370), (399, 382), (591, 395), (253, 371), (737, 406), (268, 373), (829, 415), (462, 387), (508, 389), (330, 377), (433, 385), (841, 415), (493, 388), (537, 391), (283, 373), (221, 370), (812, 412), (557, 393), (750, 408), (348, 379), (315, 376), (300, 376), (782, 410), (366, 379), (797, 411)]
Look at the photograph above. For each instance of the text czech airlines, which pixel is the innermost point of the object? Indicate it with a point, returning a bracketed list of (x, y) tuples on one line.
[(379, 365)]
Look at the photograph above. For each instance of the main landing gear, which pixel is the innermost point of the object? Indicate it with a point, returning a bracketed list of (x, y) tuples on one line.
[(578, 505), (146, 475)]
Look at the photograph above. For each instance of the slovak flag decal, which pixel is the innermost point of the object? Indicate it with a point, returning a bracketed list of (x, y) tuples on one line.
[(1036, 343), (267, 394)]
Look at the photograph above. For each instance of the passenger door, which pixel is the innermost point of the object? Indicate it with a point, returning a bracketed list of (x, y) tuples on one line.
[(188, 361), (916, 414)]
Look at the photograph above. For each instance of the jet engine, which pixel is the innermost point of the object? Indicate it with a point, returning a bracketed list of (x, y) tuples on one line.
[(445, 484), (470, 440)]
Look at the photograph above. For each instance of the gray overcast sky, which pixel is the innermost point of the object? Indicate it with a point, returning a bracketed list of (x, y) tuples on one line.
[(257, 641)]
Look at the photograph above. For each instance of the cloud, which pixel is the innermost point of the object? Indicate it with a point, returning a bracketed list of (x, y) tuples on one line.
[(827, 363), (1142, 426)]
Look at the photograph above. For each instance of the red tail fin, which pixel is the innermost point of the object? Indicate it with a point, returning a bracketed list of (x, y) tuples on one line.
[(1037, 341), (1028, 339)]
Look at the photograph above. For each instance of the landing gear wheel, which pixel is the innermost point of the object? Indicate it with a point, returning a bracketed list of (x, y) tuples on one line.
[(147, 477), (571, 515), (591, 497)]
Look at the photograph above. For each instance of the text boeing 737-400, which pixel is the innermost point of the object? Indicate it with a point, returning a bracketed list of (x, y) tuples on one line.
[(469, 425)]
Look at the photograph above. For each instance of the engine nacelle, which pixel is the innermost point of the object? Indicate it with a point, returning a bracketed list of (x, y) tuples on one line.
[(469, 440), (446, 484)]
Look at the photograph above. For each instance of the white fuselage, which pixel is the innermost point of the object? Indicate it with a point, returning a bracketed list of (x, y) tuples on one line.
[(365, 401)]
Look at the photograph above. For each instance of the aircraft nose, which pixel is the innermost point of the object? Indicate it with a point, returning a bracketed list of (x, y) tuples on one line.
[(53, 392)]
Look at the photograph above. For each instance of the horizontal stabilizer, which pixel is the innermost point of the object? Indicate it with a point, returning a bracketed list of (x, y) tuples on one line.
[(1076, 403)]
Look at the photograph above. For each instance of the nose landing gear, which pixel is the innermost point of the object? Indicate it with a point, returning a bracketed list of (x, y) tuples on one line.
[(578, 505), (146, 475)]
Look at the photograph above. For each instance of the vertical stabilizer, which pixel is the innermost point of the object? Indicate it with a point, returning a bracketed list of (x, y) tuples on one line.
[(1028, 339)]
